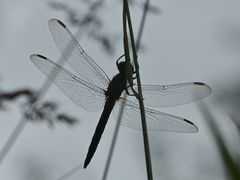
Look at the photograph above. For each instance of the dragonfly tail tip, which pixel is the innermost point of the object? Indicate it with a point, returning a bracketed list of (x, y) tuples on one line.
[(85, 165)]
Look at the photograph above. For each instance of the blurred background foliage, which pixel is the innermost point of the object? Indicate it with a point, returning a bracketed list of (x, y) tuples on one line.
[(225, 103)]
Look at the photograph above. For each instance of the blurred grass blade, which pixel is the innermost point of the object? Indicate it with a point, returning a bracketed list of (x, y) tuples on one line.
[(232, 169), (12, 139), (72, 171)]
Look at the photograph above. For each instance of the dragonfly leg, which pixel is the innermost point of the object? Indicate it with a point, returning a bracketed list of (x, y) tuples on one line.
[(117, 62), (128, 93), (134, 73)]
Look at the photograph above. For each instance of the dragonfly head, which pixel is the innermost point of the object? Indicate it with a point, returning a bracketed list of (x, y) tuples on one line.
[(122, 67)]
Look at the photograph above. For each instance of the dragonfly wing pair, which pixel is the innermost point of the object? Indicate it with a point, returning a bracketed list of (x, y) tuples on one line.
[(75, 56), (88, 88)]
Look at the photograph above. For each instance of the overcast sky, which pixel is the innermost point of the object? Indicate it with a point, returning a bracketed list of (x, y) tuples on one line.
[(187, 41)]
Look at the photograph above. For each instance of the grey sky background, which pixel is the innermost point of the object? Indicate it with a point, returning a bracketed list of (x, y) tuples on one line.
[(187, 41)]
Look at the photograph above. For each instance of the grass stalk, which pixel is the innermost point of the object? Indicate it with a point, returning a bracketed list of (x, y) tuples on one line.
[(140, 98), (12, 139)]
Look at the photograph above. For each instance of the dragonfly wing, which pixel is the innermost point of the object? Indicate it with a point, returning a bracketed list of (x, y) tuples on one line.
[(174, 95), (75, 56), (156, 120), (81, 92)]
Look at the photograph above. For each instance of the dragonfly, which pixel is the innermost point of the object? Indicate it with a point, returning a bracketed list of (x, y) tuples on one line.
[(93, 90)]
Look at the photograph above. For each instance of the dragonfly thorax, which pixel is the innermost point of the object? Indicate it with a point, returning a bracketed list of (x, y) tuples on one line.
[(116, 86)]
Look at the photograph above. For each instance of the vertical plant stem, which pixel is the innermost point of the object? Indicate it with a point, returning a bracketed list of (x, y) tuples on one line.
[(143, 20), (12, 139), (116, 131), (140, 99)]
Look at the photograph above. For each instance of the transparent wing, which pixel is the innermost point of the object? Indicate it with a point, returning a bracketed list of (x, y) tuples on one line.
[(173, 95), (156, 121), (81, 92), (75, 56)]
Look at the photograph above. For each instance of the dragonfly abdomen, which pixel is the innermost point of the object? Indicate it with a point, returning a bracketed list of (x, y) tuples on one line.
[(99, 129)]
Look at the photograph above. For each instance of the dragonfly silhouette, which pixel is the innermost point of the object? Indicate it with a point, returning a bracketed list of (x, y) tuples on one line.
[(93, 90)]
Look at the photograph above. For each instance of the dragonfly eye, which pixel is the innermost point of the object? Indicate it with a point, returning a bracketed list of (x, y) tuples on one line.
[(121, 67)]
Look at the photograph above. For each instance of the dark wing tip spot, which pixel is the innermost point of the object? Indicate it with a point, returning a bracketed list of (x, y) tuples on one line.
[(188, 121), (43, 57), (203, 84), (195, 127), (61, 23), (199, 83)]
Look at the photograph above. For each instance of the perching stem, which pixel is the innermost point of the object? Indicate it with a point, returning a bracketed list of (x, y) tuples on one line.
[(139, 96)]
